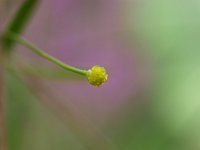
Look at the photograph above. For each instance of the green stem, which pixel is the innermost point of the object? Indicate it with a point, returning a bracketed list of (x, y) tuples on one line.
[(40, 52), (18, 22), (3, 136)]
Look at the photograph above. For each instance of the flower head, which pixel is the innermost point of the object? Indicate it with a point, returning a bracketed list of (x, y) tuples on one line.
[(97, 75)]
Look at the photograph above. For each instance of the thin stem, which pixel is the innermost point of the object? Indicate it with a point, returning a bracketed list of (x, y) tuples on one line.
[(18, 22), (40, 52), (3, 143)]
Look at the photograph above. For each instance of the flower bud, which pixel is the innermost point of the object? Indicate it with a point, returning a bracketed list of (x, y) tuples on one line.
[(97, 75)]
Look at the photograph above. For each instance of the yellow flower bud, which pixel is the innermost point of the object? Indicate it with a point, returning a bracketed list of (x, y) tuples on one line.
[(97, 75)]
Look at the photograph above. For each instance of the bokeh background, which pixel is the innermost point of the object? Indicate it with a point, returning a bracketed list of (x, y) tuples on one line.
[(151, 101)]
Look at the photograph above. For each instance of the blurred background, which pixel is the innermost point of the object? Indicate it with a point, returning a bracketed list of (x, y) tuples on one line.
[(151, 101)]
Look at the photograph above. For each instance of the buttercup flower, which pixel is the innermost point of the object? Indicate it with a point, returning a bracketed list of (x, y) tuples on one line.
[(97, 75)]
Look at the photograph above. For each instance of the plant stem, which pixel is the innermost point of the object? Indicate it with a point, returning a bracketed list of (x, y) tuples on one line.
[(40, 52), (2, 108), (18, 22)]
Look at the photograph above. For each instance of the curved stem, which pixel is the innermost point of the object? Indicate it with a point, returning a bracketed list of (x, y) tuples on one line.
[(40, 52)]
